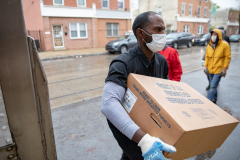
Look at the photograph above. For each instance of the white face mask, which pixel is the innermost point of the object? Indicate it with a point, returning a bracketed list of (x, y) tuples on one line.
[(214, 38), (158, 42)]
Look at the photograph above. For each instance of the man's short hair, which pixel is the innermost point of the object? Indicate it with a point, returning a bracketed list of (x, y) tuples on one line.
[(141, 21)]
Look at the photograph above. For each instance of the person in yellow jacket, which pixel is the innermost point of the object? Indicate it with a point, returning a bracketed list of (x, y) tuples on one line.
[(217, 59)]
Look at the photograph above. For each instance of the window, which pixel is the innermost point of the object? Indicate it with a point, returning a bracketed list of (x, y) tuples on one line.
[(81, 3), (206, 0), (112, 29), (190, 9), (58, 2), (205, 12), (234, 16), (237, 30), (105, 3), (120, 4), (186, 28), (230, 30), (230, 16), (183, 9), (199, 11), (78, 30), (159, 10), (200, 29)]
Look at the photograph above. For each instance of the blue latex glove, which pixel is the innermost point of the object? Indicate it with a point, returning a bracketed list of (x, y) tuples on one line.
[(202, 63), (152, 148)]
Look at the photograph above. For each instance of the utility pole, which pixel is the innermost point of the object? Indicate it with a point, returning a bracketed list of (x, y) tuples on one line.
[(148, 5)]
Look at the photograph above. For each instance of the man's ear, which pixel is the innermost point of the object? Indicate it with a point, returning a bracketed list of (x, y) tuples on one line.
[(139, 33)]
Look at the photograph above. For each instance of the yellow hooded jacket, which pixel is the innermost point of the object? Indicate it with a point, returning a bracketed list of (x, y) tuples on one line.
[(217, 59)]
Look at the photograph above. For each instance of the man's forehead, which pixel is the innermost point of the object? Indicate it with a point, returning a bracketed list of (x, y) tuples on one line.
[(156, 20)]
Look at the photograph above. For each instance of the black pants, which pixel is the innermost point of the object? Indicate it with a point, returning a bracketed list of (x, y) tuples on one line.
[(131, 151)]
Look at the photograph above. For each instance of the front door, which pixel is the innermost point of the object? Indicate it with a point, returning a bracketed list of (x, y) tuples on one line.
[(58, 36)]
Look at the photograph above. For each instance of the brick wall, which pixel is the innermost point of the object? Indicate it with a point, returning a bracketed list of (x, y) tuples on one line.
[(195, 4), (113, 4), (124, 25), (193, 27)]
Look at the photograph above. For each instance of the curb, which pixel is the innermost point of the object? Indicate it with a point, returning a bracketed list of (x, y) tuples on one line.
[(72, 56)]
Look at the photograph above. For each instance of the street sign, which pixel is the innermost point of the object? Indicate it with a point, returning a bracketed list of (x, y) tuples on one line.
[(214, 9)]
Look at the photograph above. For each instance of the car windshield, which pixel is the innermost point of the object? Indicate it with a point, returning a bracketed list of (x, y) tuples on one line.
[(234, 36), (173, 35), (205, 36), (123, 37)]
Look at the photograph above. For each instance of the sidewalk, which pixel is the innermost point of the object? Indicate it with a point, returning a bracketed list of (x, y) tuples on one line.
[(81, 131), (71, 53)]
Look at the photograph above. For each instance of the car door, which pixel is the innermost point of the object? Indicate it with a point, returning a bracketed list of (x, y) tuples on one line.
[(132, 41), (181, 39)]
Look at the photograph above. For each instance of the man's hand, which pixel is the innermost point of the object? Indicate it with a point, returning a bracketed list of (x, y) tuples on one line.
[(152, 148), (206, 70), (223, 72)]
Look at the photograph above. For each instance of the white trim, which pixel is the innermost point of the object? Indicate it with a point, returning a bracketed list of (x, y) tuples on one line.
[(82, 5), (58, 4), (199, 27), (105, 7), (113, 14), (189, 9), (123, 6), (78, 30), (232, 23), (186, 29), (62, 36), (195, 19), (63, 11)]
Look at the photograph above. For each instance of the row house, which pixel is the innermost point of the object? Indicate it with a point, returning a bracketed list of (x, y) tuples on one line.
[(77, 24), (180, 15), (228, 18)]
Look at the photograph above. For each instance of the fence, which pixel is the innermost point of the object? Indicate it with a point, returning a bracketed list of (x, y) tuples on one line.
[(38, 36)]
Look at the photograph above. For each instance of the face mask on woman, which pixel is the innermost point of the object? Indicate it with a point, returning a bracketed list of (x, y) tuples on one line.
[(158, 42), (214, 38)]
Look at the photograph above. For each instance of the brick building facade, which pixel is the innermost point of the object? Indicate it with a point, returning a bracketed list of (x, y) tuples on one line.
[(180, 15), (77, 24), (227, 18)]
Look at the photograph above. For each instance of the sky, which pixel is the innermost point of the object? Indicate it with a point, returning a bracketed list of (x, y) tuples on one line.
[(227, 3)]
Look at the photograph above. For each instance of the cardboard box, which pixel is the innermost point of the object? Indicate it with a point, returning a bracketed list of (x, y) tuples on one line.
[(176, 113)]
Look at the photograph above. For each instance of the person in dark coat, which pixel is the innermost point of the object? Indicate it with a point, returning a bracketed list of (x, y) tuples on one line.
[(224, 36)]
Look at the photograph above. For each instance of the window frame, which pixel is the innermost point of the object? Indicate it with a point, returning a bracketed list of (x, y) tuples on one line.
[(189, 9), (205, 13), (199, 15), (107, 3), (82, 5), (158, 10), (206, 0), (58, 4), (112, 29), (78, 30), (200, 26), (188, 29), (230, 18), (183, 4), (230, 29), (123, 5)]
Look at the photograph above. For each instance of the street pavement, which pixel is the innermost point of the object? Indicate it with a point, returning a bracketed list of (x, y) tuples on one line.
[(81, 131), (75, 79)]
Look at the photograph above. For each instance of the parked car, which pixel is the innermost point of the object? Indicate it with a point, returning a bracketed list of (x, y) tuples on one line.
[(202, 39), (122, 44), (179, 39), (235, 38)]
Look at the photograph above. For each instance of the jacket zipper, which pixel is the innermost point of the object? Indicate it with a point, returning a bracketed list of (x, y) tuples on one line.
[(213, 56)]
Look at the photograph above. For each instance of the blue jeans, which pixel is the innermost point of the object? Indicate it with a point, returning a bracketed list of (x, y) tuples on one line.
[(214, 81)]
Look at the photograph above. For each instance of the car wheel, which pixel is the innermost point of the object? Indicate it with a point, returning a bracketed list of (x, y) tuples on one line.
[(123, 49), (189, 44), (111, 52), (175, 45), (205, 43)]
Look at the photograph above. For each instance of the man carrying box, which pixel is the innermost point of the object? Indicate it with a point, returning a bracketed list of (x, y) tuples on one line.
[(143, 59)]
